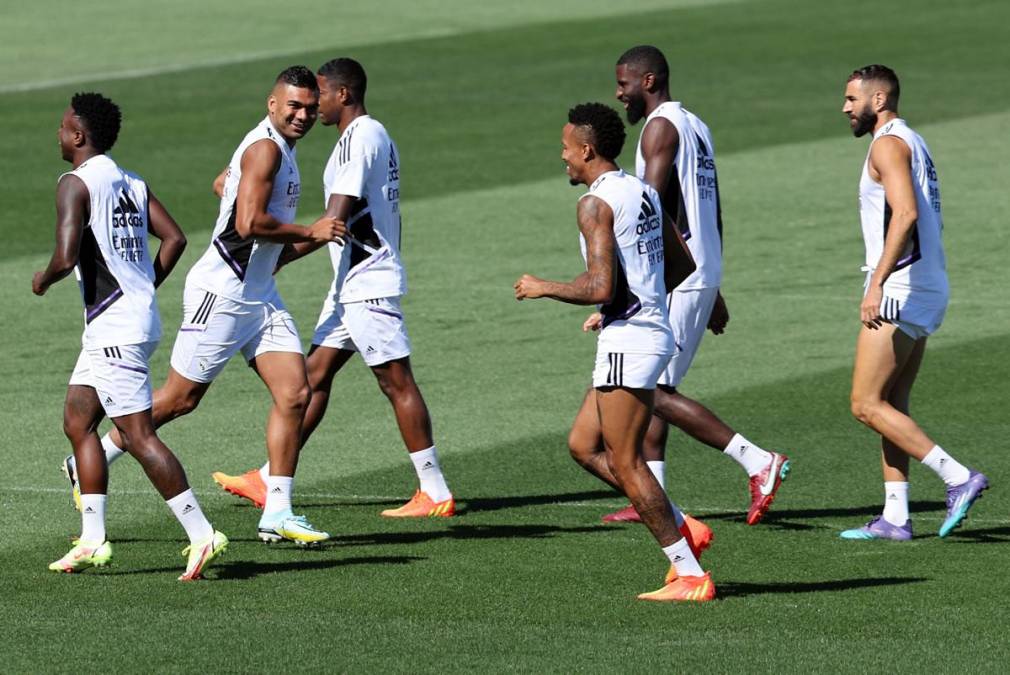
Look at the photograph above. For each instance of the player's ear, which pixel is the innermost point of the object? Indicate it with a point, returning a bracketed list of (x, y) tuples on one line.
[(879, 100), (648, 81), (588, 152), (271, 102)]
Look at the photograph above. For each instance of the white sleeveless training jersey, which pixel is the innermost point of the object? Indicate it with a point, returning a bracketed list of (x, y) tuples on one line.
[(365, 165), (920, 275), (697, 209), (114, 268), (635, 321), (243, 269)]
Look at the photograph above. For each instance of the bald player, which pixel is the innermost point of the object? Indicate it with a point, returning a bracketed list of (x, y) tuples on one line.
[(904, 301), (231, 303), (676, 157)]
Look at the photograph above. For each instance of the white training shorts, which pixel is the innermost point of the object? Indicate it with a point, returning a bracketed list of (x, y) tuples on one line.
[(375, 328), (214, 328), (915, 320), (690, 311), (628, 371), (120, 375)]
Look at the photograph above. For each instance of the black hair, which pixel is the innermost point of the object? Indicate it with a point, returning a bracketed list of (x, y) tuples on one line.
[(878, 73), (348, 73), (647, 59), (101, 118), (603, 125), (298, 76)]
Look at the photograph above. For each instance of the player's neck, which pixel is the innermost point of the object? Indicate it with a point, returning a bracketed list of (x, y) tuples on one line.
[(883, 117), (653, 101), (598, 169), (349, 114), (81, 155)]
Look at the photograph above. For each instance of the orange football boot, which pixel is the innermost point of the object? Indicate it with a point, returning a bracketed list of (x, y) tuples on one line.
[(422, 506), (699, 537), (249, 486), (684, 589)]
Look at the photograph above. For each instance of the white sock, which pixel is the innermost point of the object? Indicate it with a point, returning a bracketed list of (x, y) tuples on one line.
[(430, 474), (279, 490), (752, 458), (896, 502), (683, 559), (946, 467), (112, 451), (265, 472), (93, 518), (190, 516), (658, 469)]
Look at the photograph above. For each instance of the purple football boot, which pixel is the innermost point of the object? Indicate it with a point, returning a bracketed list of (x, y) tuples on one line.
[(878, 528), (960, 498)]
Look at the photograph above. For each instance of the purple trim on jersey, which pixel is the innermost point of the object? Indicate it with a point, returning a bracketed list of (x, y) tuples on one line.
[(380, 310), (193, 330), (382, 255), (623, 316), (98, 309), (134, 369), (223, 250)]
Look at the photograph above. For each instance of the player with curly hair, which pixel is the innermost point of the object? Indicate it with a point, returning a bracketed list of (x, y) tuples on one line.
[(625, 243)]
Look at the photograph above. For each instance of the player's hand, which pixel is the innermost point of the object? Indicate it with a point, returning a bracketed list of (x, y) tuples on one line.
[(869, 310), (720, 316), (328, 229), (593, 322), (528, 287), (37, 287)]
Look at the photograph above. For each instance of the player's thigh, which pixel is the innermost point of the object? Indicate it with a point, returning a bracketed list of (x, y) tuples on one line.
[(323, 363), (901, 390), (624, 418), (585, 437), (285, 377), (136, 427), (881, 355), (82, 411)]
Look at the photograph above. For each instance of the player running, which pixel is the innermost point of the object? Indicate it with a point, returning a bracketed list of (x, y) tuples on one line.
[(904, 301), (362, 312), (625, 242), (676, 156), (231, 303), (103, 215)]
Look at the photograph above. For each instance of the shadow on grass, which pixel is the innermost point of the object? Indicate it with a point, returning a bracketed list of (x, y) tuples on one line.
[(835, 512), (248, 569), (992, 535), (730, 589), (467, 532), (484, 503)]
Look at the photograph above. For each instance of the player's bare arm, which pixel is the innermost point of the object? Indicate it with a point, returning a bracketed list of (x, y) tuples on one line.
[(173, 242), (72, 201), (339, 208), (660, 141), (218, 185), (595, 286), (890, 165), (259, 167)]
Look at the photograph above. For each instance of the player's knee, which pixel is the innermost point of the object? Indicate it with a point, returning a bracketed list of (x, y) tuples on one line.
[(183, 404), (864, 410), (294, 399), (622, 465), (74, 428), (580, 450)]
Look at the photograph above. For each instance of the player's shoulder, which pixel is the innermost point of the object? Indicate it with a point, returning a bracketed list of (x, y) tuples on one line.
[(369, 131)]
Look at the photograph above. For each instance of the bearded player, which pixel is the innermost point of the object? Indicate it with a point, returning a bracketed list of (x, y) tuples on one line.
[(625, 248), (676, 157), (904, 301)]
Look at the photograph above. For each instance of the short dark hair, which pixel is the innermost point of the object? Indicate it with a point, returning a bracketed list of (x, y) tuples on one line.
[(604, 126), (647, 59), (298, 76), (101, 118), (878, 73), (348, 73)]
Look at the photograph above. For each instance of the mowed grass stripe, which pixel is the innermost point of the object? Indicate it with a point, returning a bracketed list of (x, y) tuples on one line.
[(477, 110)]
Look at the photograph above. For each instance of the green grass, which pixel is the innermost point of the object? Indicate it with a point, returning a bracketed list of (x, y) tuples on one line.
[(526, 578)]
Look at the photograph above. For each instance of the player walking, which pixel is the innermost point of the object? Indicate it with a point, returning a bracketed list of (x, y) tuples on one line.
[(362, 312), (624, 246), (676, 156), (103, 215), (904, 302), (231, 303)]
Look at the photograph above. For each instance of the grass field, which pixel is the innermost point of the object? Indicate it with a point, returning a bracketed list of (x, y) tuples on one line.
[(526, 578)]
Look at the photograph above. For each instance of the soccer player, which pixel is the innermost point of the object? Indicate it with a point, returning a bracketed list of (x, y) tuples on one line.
[(231, 303), (362, 311), (676, 156), (904, 301), (103, 216), (624, 245)]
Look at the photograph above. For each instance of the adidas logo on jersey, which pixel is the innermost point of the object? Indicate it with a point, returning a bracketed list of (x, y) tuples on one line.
[(648, 217), (126, 213)]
